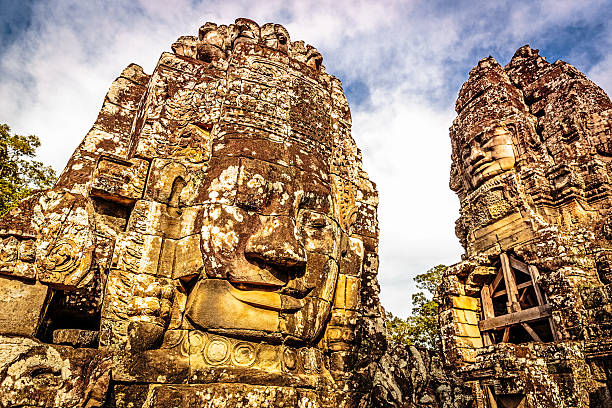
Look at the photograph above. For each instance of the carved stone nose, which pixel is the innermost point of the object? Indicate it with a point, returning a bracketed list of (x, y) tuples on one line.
[(476, 154), (276, 243)]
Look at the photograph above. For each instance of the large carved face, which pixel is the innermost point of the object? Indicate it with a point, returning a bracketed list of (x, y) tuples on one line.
[(487, 154), (33, 374), (270, 244)]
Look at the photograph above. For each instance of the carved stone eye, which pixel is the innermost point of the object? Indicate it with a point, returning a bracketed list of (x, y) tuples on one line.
[(44, 376), (313, 220), (318, 223)]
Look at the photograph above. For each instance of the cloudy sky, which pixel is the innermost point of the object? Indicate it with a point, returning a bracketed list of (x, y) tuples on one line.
[(401, 63)]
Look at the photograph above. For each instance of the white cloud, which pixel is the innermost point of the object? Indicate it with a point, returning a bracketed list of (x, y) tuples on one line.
[(407, 152), (601, 74), (412, 55)]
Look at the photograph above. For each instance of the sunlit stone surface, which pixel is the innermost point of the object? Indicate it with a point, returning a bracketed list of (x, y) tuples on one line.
[(212, 242)]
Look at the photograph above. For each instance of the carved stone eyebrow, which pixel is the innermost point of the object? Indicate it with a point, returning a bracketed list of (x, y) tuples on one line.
[(314, 200)]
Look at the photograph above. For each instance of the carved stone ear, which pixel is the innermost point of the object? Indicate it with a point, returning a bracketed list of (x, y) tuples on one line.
[(282, 34), (66, 242), (161, 184), (344, 244), (283, 38), (456, 181), (513, 130), (511, 127), (604, 266)]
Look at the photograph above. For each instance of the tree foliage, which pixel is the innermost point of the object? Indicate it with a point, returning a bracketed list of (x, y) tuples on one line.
[(421, 327), (19, 173)]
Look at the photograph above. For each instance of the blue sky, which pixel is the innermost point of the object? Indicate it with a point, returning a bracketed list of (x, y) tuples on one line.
[(401, 63)]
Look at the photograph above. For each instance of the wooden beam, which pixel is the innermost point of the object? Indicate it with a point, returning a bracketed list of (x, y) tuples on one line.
[(522, 316), (487, 303), (519, 265), (530, 301), (521, 298), (533, 271), (496, 281), (535, 274), (520, 286), (553, 329), (487, 339), (506, 335), (490, 397), (511, 289), (526, 300), (531, 332), (487, 312)]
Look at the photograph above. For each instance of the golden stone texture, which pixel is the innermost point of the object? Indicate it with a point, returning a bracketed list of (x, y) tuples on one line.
[(525, 317), (212, 241)]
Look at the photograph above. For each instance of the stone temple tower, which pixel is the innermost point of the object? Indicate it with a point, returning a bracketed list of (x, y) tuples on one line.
[(211, 242), (526, 316)]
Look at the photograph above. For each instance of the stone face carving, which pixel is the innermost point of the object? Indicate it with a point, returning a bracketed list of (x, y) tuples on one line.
[(519, 318), (35, 374), (273, 255), (487, 154), (215, 226)]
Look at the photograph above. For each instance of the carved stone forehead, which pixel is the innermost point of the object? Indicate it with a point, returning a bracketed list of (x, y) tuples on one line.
[(481, 131), (295, 157)]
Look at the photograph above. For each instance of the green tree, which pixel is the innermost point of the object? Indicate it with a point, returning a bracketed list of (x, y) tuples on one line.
[(19, 173), (421, 327)]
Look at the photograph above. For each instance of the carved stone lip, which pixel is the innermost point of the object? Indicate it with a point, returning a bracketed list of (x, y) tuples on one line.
[(481, 166), (267, 299)]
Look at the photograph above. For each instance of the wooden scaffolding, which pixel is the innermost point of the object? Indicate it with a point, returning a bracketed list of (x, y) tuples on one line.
[(525, 304)]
